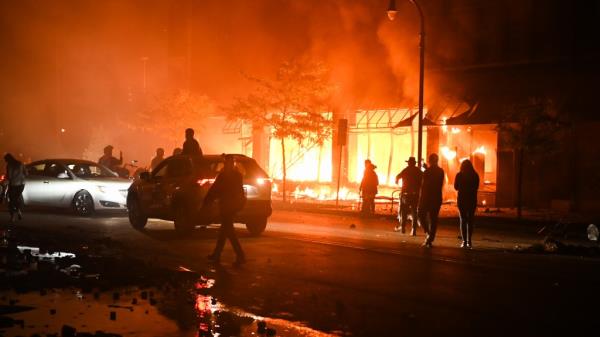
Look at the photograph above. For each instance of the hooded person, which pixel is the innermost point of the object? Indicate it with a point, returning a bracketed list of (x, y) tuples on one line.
[(228, 189)]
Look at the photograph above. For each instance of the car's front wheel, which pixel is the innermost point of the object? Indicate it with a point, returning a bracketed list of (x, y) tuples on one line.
[(257, 226), (137, 218), (83, 204), (184, 222)]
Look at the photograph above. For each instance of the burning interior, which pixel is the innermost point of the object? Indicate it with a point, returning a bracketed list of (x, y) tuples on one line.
[(388, 137)]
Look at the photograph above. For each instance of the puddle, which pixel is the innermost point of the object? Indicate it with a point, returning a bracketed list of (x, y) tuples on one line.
[(48, 292)]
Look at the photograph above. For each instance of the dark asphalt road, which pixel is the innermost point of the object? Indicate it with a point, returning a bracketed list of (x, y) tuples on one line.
[(366, 281)]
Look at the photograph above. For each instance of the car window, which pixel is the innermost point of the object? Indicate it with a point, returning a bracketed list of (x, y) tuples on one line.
[(247, 167), (55, 170), (36, 169), (178, 167), (90, 170), (161, 170)]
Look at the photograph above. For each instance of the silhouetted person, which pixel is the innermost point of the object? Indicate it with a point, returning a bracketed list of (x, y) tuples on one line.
[(109, 161), (228, 188), (191, 146), (368, 188), (177, 151), (160, 156), (430, 199), (409, 197), (466, 183), (15, 175)]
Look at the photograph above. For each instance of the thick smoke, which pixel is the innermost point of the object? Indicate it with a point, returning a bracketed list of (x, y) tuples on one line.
[(77, 65)]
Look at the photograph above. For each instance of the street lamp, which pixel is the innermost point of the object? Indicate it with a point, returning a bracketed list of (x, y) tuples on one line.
[(391, 12)]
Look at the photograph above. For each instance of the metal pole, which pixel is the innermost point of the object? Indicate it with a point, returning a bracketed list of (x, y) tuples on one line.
[(421, 82), (339, 177)]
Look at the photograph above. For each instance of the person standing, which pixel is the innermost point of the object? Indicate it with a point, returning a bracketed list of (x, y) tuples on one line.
[(368, 188), (228, 189), (15, 174), (191, 146), (467, 184), (430, 200), (109, 161), (409, 196), (160, 156), (177, 151)]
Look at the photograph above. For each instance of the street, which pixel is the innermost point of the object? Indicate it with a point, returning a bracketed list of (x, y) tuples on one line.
[(313, 273)]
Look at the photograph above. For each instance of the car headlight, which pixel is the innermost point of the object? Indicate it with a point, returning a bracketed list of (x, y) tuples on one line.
[(102, 189)]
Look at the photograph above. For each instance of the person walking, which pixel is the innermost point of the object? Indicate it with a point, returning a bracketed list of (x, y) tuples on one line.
[(368, 188), (229, 191), (191, 146), (409, 196), (160, 156), (15, 174), (467, 184), (430, 199)]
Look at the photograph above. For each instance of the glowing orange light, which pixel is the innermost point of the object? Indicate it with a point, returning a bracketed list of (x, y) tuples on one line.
[(203, 182), (480, 149), (447, 153)]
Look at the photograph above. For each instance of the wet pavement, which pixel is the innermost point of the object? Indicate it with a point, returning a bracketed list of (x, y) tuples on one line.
[(308, 275), (93, 291)]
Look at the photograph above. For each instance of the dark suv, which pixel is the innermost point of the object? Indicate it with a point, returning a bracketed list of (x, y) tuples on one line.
[(176, 188)]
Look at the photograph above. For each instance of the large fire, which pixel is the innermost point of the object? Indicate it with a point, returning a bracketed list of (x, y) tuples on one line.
[(310, 173)]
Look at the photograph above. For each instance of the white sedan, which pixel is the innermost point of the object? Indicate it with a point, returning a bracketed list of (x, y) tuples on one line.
[(81, 185)]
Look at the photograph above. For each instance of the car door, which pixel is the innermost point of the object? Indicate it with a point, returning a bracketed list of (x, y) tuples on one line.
[(167, 179), (34, 184), (58, 185)]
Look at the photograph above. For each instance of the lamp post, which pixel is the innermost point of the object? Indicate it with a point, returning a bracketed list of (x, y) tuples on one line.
[(391, 12)]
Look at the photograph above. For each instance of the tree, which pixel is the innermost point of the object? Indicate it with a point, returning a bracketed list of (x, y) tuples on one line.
[(293, 105), (168, 115), (534, 131)]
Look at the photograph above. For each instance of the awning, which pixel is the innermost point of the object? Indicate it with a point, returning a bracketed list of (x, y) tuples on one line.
[(407, 122)]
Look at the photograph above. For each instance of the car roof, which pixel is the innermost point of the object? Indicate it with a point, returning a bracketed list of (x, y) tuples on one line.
[(65, 161), (214, 157)]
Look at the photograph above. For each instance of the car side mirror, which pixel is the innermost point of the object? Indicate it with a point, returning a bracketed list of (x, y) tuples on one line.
[(145, 176)]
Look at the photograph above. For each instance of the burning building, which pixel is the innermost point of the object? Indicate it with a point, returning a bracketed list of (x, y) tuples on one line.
[(387, 137)]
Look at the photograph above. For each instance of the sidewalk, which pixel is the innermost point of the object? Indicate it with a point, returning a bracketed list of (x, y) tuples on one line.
[(537, 232)]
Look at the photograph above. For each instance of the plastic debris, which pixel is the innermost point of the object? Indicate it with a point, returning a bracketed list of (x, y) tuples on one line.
[(592, 232)]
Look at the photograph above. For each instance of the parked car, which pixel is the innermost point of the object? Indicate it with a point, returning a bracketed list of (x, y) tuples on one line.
[(176, 188), (82, 185)]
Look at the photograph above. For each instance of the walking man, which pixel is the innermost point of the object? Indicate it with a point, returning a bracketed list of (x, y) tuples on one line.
[(15, 174), (368, 188), (228, 189), (430, 199), (409, 197)]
